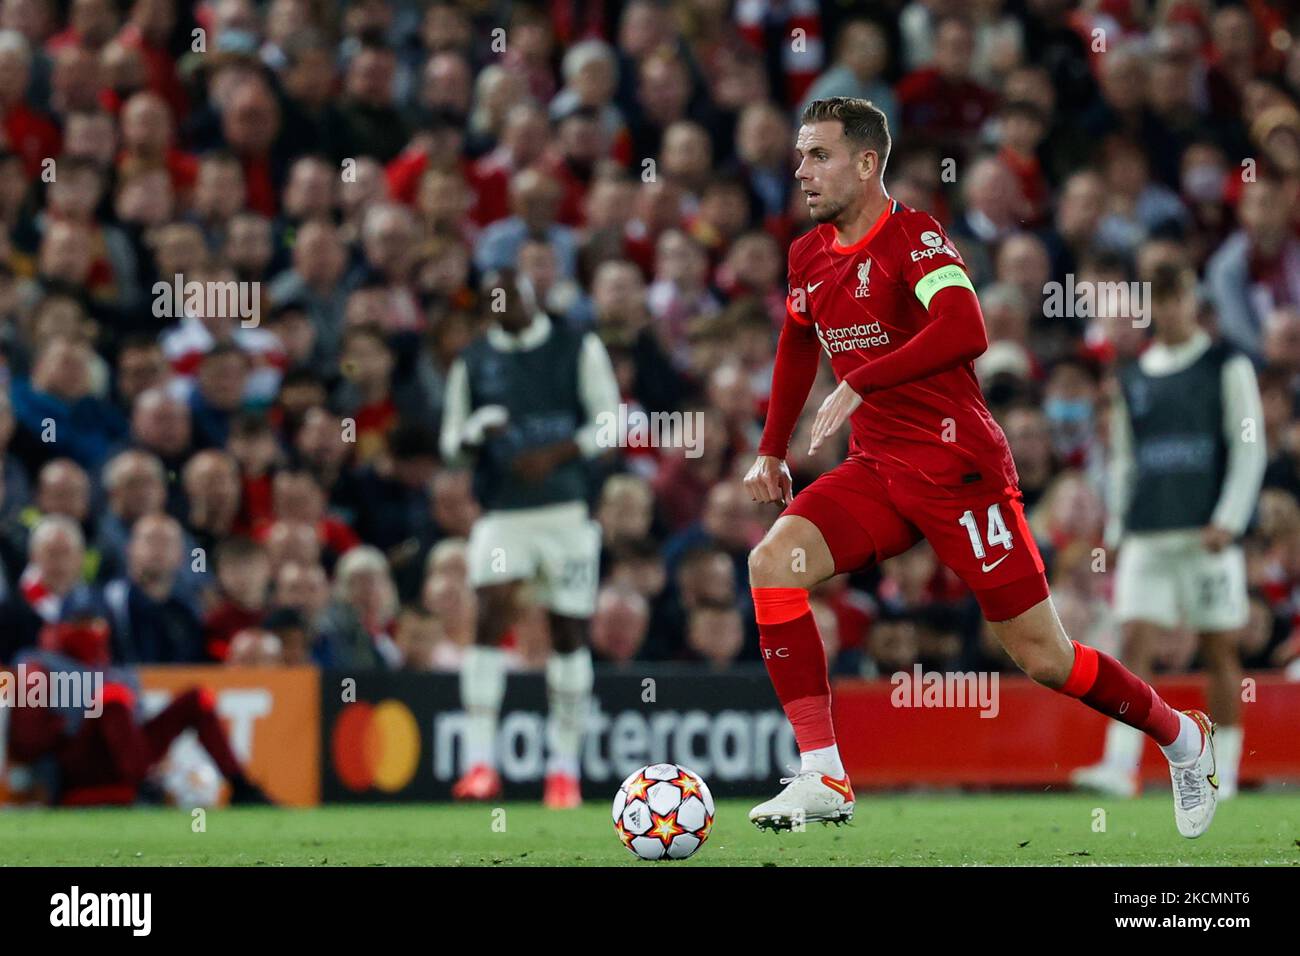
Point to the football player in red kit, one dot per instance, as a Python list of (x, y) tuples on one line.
[(106, 755), (881, 289)]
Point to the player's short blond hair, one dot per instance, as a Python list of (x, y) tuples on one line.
[(865, 126)]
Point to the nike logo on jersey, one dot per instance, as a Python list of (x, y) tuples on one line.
[(986, 568), (813, 287)]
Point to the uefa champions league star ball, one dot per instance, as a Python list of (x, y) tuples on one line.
[(663, 812)]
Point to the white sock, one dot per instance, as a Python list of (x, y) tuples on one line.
[(1187, 745), (482, 686), (1123, 746), (824, 760), (1227, 755), (568, 688)]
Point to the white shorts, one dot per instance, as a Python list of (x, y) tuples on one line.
[(1172, 580), (556, 547)]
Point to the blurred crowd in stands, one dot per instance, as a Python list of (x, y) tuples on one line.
[(271, 491)]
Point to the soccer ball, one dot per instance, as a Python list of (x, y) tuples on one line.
[(663, 812)]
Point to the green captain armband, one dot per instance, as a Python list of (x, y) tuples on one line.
[(951, 275)]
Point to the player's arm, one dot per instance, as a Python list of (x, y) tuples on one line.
[(455, 412), (797, 355), (1120, 470), (1243, 432), (463, 431), (954, 335), (598, 391)]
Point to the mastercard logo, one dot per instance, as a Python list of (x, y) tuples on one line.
[(375, 746)]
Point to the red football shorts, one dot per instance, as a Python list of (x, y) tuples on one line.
[(866, 516)]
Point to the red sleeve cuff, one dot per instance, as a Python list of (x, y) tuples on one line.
[(860, 380), (798, 317)]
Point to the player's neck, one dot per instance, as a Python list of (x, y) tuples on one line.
[(850, 231), (1174, 337)]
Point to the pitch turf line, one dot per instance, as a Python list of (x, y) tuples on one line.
[(961, 830)]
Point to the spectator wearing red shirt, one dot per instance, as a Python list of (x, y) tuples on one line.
[(440, 145), (253, 444), (74, 198), (75, 83), (581, 145), (148, 28), (147, 140), (1022, 127), (941, 104), (91, 24), (250, 126), (297, 498), (367, 365), (27, 132), (243, 586)]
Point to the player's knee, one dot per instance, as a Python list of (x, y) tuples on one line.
[(567, 633), (1047, 671), (770, 565), (1044, 662), (496, 605)]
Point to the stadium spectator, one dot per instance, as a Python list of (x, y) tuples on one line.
[(56, 407), (535, 201), (941, 104), (1258, 267), (55, 555), (360, 623), (447, 595), (210, 481), (243, 586), (160, 424), (861, 56), (151, 623), (136, 486), (619, 626)]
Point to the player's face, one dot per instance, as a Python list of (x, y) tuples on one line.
[(830, 173), (1175, 318)]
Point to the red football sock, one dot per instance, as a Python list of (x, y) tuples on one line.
[(796, 663), (196, 708), (1106, 685)]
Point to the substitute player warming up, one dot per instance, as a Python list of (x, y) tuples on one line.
[(880, 288), (523, 403), (1185, 477)]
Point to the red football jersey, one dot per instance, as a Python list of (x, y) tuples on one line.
[(867, 300)]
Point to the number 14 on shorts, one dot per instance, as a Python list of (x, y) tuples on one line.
[(995, 534)]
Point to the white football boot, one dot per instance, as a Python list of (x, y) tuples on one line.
[(809, 797), (1106, 779), (1196, 784)]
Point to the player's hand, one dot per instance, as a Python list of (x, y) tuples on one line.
[(1215, 538), (533, 466), (769, 480), (484, 423), (537, 463), (839, 405)]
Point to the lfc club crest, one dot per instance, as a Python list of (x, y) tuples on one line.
[(864, 273)]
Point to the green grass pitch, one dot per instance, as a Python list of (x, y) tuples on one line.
[(947, 830)]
